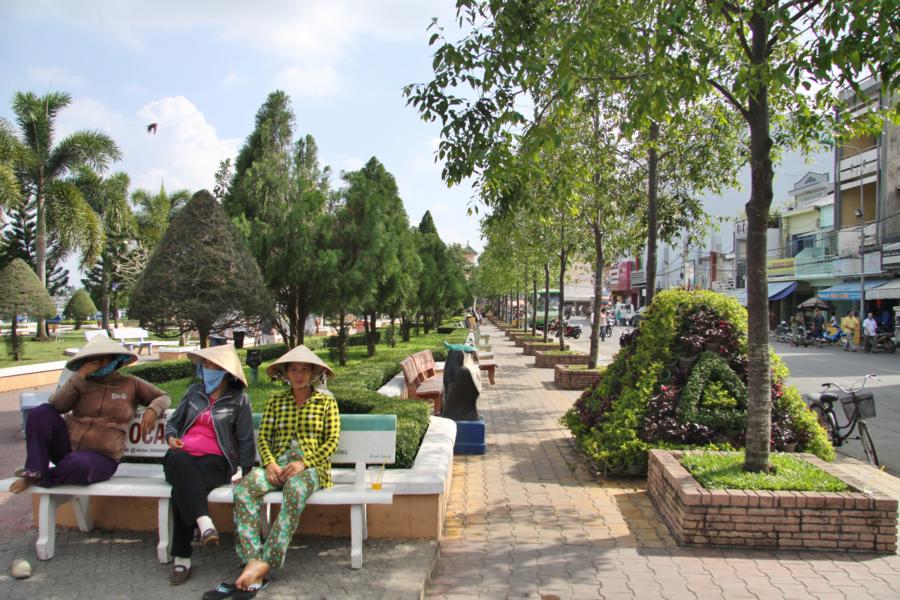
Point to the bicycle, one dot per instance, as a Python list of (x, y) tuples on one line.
[(858, 406)]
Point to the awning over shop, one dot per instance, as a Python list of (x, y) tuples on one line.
[(778, 290), (849, 290), (888, 291)]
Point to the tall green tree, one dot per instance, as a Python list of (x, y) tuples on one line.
[(201, 276), (108, 198), (784, 84), (278, 197), (18, 242), (372, 196), (22, 292), (42, 167), (10, 150)]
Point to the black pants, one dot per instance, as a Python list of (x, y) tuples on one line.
[(192, 479)]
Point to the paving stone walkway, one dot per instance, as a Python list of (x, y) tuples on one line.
[(530, 519)]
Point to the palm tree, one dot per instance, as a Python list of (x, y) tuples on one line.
[(10, 148), (156, 212), (41, 168), (108, 198)]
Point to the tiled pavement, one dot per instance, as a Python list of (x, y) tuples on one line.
[(527, 520), (530, 520)]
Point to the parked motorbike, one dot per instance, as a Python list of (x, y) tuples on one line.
[(606, 328), (783, 332), (802, 338), (572, 331), (882, 341), (831, 338)]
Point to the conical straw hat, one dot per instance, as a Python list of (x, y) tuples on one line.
[(224, 357), (101, 345), (300, 354)]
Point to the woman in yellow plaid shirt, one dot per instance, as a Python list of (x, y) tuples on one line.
[(298, 434)]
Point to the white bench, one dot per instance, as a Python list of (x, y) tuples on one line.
[(365, 439)]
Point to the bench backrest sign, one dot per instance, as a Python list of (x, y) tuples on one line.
[(371, 439)]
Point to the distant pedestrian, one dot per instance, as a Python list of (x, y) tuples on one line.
[(849, 325), (818, 324), (870, 329)]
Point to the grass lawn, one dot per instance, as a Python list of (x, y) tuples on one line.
[(725, 471), (41, 352)]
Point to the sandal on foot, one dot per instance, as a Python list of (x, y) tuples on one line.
[(179, 574), (210, 537), (21, 484), (223, 590), (251, 590)]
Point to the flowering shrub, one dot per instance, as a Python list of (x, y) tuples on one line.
[(679, 381)]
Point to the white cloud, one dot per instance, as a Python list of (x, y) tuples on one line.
[(309, 80), (317, 35), (185, 148), (184, 153)]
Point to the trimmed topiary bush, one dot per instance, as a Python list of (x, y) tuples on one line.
[(80, 308), (679, 382)]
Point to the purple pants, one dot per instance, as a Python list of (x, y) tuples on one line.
[(47, 440)]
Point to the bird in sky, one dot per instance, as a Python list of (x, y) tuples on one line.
[(151, 128)]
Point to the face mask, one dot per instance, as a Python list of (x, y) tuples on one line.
[(211, 379), (104, 371)]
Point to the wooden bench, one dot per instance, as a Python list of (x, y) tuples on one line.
[(489, 366), (365, 439), (422, 379)]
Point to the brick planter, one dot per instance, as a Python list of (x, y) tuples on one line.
[(521, 340), (574, 379), (530, 348), (543, 360), (852, 521)]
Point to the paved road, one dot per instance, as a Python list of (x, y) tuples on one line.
[(810, 367)]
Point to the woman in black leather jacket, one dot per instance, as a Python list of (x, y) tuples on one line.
[(210, 437)]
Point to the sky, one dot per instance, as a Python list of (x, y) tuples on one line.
[(201, 70)]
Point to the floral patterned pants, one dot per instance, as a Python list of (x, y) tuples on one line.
[(248, 496)]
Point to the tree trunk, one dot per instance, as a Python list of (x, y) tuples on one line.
[(342, 338), (759, 419), (525, 302), (371, 332), (652, 211), (534, 306), (561, 327), (405, 326), (40, 249), (598, 295), (203, 333), (14, 338), (546, 302), (104, 292)]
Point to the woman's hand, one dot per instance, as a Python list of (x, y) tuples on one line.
[(89, 366), (291, 469), (148, 421), (273, 473), (175, 443)]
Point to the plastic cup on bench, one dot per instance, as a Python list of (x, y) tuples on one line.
[(376, 476)]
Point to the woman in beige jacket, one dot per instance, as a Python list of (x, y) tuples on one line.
[(87, 444)]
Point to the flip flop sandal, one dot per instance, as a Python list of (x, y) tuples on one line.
[(251, 592), (179, 574), (223, 590)]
